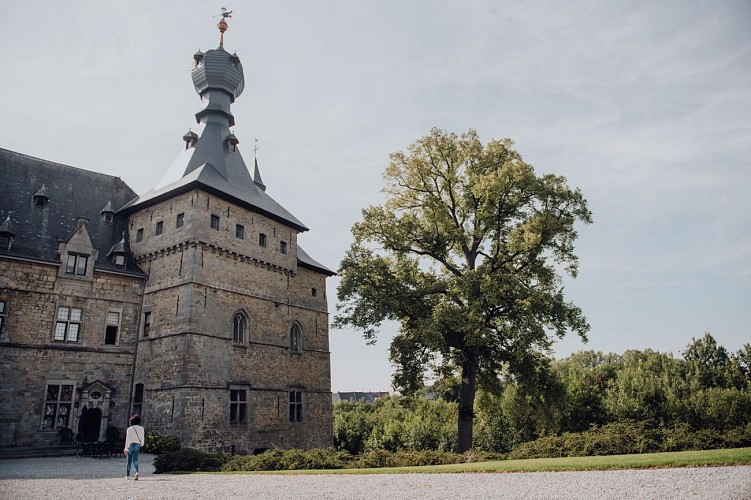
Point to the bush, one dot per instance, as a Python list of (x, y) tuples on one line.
[(189, 460), (158, 444), (314, 459), (406, 458)]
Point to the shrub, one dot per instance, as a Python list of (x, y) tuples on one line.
[(314, 459), (189, 460), (158, 444), (406, 458)]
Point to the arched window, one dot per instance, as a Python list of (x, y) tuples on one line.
[(239, 326), (295, 338)]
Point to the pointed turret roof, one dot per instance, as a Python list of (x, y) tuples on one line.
[(213, 162)]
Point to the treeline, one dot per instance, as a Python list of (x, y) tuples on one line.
[(702, 399)]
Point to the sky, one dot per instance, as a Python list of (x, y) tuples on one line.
[(644, 106)]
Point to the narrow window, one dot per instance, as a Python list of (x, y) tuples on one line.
[(180, 220), (283, 247), (112, 327), (68, 324), (159, 229), (139, 235), (238, 336), (295, 338), (215, 222), (138, 400), (58, 400), (313, 292), (76, 264), (261, 240), (146, 323), (3, 315), (237, 406), (239, 232), (295, 406)]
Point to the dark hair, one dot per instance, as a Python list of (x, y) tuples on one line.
[(135, 420)]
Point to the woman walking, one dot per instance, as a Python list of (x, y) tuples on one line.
[(134, 439)]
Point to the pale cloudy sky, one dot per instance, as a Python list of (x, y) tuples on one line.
[(646, 106)]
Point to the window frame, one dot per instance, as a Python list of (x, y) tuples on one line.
[(295, 338), (159, 228), (238, 405), (3, 316), (239, 334), (137, 403), (179, 220), (239, 231), (262, 240), (67, 321), (53, 409), (215, 222), (283, 247), (296, 406), (146, 327), (108, 325), (139, 235), (75, 263)]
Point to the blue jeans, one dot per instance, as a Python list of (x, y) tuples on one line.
[(133, 452)]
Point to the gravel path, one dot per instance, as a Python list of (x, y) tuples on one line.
[(77, 478)]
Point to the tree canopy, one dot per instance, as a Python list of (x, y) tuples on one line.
[(466, 254)]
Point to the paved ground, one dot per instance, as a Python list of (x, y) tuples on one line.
[(81, 478)]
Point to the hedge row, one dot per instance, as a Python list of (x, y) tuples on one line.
[(611, 439)]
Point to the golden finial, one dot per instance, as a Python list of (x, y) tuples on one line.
[(223, 26)]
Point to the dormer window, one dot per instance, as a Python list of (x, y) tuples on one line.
[(119, 260), (41, 198), (107, 213), (232, 142), (190, 139)]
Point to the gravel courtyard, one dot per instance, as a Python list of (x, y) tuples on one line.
[(77, 477)]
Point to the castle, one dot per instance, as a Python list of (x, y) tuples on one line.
[(192, 304)]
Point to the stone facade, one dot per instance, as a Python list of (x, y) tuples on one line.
[(192, 304)]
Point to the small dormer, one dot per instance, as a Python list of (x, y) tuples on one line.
[(232, 142), (107, 213), (118, 253), (6, 234), (190, 139), (197, 58), (41, 198)]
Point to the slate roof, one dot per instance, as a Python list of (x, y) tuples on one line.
[(72, 193), (305, 260)]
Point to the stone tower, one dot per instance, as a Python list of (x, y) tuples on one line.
[(233, 347)]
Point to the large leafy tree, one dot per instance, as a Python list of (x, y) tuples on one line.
[(466, 254)]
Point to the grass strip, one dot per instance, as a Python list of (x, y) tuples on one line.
[(704, 458)]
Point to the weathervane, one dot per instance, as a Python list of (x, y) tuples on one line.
[(223, 26), (255, 148)]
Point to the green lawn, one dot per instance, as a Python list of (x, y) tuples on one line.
[(735, 456)]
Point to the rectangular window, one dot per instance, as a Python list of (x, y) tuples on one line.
[(68, 324), (57, 405), (137, 400), (295, 406), (283, 247), (159, 229), (139, 235), (3, 315), (238, 406), (313, 292), (261, 240), (112, 327), (180, 220), (120, 260), (76, 264), (215, 222), (239, 232), (146, 323)]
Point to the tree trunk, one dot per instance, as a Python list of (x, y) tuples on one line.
[(467, 400)]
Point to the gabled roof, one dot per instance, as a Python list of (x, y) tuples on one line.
[(72, 193)]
